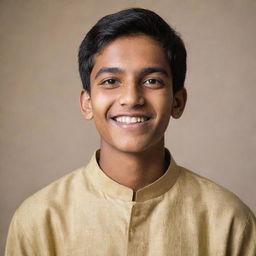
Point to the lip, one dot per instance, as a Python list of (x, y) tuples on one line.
[(131, 126), (132, 115)]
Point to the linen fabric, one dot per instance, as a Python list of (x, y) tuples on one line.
[(86, 213)]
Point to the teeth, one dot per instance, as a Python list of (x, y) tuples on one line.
[(128, 119)]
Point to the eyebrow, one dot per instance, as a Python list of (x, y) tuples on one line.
[(150, 70), (144, 71), (109, 70)]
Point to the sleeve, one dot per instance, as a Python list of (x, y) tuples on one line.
[(246, 245), (17, 243)]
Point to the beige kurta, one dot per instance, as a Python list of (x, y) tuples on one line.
[(86, 213)]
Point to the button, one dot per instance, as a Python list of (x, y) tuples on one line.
[(136, 212), (132, 230)]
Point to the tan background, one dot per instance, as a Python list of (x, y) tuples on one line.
[(43, 135)]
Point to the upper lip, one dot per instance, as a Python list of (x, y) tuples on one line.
[(132, 115)]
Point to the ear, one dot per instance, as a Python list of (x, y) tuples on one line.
[(179, 102), (86, 105)]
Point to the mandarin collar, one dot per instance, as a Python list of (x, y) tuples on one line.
[(118, 191)]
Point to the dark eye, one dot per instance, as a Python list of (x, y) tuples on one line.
[(152, 82), (110, 81)]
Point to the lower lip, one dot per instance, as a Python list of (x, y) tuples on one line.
[(131, 126)]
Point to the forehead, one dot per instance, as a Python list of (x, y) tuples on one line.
[(132, 53)]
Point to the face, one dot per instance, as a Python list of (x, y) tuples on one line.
[(131, 99)]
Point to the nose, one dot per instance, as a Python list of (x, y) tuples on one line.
[(131, 95)]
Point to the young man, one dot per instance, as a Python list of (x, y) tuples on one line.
[(132, 198)]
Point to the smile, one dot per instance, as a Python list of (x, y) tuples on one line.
[(130, 119)]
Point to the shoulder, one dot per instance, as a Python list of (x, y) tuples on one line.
[(223, 217), (212, 198), (43, 214), (56, 195)]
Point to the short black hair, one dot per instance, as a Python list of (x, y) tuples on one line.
[(128, 22)]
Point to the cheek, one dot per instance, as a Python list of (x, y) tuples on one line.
[(164, 109), (163, 103), (101, 103)]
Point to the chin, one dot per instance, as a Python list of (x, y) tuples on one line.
[(133, 148)]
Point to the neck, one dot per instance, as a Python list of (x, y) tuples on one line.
[(134, 170)]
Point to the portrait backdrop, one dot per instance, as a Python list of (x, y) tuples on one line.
[(43, 134)]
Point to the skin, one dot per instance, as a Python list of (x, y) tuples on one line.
[(131, 77)]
